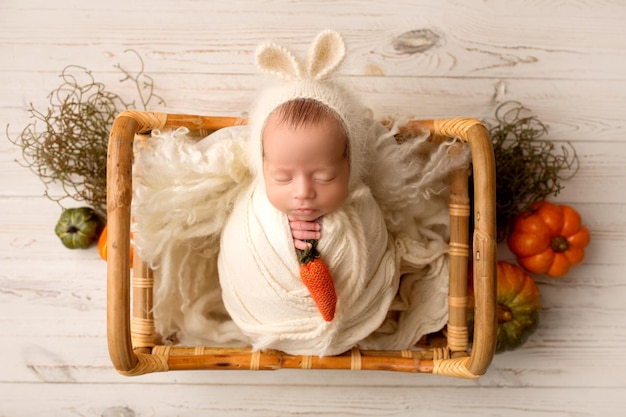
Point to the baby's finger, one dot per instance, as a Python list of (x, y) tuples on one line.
[(306, 234), (300, 244), (303, 225)]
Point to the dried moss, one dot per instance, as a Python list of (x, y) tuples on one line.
[(528, 168), (66, 143)]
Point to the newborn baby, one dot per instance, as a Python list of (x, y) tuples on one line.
[(306, 150)]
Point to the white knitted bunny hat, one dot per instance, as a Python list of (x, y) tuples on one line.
[(309, 80)]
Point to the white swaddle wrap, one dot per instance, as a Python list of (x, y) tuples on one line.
[(261, 285)]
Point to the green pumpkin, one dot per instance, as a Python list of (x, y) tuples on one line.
[(518, 306), (78, 228)]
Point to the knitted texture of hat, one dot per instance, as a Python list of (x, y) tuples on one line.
[(309, 79)]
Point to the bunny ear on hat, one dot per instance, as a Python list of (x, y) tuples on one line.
[(327, 52), (279, 61)]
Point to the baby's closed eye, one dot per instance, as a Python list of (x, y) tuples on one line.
[(282, 178), (324, 179), (325, 176)]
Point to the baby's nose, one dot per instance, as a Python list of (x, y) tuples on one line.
[(304, 188)]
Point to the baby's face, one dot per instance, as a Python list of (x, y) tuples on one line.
[(306, 169)]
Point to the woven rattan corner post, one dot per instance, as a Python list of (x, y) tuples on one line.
[(485, 251), (484, 241), (119, 196), (133, 344)]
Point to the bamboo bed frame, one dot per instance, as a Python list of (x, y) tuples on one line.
[(132, 340)]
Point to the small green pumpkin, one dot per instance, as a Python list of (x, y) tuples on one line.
[(78, 228)]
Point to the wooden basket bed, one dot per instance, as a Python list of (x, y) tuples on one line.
[(132, 340)]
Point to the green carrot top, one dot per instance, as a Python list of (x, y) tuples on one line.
[(309, 254)]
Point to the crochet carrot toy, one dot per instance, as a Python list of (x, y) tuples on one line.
[(316, 276)]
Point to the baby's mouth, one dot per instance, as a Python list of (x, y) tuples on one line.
[(304, 211)]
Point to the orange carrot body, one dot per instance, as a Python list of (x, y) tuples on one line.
[(317, 278)]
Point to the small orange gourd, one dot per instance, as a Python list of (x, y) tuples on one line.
[(102, 245), (548, 239)]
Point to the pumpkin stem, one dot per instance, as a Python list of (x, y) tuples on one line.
[(504, 314), (559, 244)]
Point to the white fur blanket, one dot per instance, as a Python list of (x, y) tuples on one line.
[(226, 271)]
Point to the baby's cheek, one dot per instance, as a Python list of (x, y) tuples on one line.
[(339, 195), (275, 196)]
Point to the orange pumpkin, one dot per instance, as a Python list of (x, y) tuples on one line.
[(548, 239), (102, 245), (518, 305)]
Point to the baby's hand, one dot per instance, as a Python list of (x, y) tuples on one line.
[(302, 231)]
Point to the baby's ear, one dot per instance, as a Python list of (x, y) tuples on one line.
[(327, 52), (278, 60)]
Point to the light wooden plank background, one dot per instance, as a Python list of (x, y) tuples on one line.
[(566, 60)]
